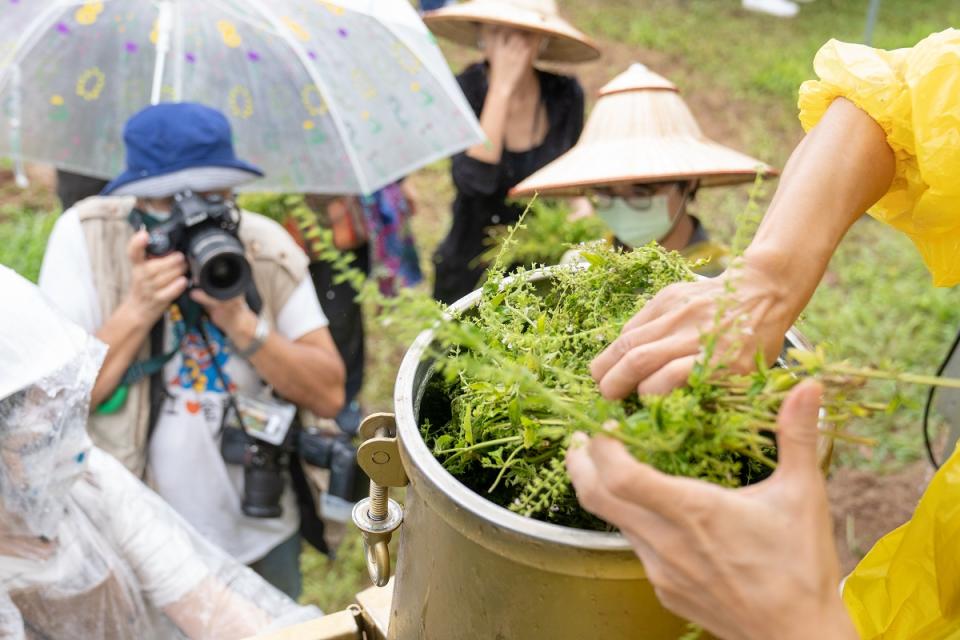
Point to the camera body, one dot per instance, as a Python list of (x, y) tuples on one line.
[(263, 479), (264, 465), (348, 482), (206, 230)]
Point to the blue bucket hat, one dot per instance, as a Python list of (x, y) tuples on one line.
[(176, 146)]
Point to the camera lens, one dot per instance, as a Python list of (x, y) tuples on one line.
[(262, 484), (223, 271), (218, 264)]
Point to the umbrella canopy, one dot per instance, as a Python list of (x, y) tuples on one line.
[(337, 96), (641, 131)]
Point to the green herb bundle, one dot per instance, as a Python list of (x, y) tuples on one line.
[(543, 236), (515, 385)]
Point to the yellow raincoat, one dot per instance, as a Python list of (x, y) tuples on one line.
[(908, 585)]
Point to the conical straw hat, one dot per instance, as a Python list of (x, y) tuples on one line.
[(461, 24), (641, 131)]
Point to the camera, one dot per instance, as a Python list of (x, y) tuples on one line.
[(263, 480), (205, 229), (263, 470), (264, 446), (348, 483)]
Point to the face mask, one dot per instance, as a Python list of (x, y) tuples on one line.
[(635, 227)]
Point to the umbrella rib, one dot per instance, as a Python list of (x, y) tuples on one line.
[(324, 90), (164, 27)]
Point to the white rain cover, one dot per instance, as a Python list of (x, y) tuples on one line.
[(123, 564), (327, 97), (48, 368), (114, 560)]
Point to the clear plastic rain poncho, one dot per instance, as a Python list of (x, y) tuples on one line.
[(86, 550)]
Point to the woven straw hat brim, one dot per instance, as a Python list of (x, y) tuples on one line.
[(461, 24), (642, 135), (640, 161)]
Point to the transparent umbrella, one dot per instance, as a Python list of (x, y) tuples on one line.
[(339, 96)]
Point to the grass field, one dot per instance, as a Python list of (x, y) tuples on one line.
[(740, 73)]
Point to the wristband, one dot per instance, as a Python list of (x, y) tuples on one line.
[(259, 337)]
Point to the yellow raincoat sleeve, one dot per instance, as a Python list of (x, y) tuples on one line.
[(908, 586), (914, 94)]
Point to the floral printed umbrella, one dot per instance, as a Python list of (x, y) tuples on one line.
[(337, 96)]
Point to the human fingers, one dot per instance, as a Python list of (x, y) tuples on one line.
[(669, 377), (675, 296), (519, 45), (639, 484), (137, 247), (592, 492), (172, 291), (501, 40), (797, 430), (202, 297), (627, 341), (528, 44), (166, 268), (639, 363)]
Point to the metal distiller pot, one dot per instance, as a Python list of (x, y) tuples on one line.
[(468, 569)]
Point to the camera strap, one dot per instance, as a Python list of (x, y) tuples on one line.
[(154, 364)]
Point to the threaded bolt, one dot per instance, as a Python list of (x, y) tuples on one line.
[(379, 508)]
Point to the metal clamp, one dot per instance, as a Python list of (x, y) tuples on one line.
[(378, 516)]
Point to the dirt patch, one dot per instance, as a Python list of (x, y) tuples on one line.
[(39, 195), (866, 505)]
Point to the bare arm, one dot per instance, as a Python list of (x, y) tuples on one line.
[(155, 284), (493, 121), (838, 171), (833, 176), (307, 372), (213, 611), (511, 55)]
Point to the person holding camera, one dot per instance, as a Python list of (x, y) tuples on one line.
[(214, 332)]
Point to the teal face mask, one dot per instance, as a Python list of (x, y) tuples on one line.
[(635, 227)]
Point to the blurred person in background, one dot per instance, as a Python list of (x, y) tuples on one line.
[(641, 159), (530, 117), (179, 356), (375, 230), (73, 187), (86, 549), (760, 562)]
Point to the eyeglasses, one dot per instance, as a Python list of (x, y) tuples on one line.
[(640, 197), (641, 201)]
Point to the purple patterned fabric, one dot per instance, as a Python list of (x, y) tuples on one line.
[(394, 258)]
